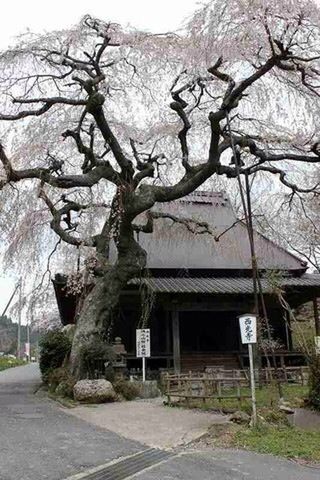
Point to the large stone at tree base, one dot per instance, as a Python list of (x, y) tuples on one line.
[(148, 389), (94, 391)]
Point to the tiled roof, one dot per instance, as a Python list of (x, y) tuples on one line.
[(225, 284), (173, 246)]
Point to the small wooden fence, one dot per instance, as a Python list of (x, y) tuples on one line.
[(286, 375), (221, 384)]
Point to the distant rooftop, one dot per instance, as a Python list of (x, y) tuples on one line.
[(173, 246)]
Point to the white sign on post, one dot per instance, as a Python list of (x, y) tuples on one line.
[(27, 349), (317, 345), (248, 329), (143, 347), (143, 342)]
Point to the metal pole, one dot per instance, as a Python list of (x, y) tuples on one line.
[(143, 369), (28, 342), (10, 300), (252, 247), (252, 384), (19, 320)]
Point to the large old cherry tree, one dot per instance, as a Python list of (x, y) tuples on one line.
[(100, 124)]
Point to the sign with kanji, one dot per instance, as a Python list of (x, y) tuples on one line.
[(27, 349), (143, 342), (248, 328), (317, 345)]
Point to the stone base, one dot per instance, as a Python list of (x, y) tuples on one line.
[(148, 389), (94, 391)]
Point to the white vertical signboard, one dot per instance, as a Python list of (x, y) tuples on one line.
[(143, 347), (248, 329), (27, 350)]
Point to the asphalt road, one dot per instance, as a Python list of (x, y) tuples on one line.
[(38, 441), (228, 465)]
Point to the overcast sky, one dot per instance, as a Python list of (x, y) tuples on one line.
[(18, 16)]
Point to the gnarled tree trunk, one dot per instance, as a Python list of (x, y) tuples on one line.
[(96, 314)]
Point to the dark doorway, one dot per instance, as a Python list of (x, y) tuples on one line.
[(209, 332)]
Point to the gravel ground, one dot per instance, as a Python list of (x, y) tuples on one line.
[(150, 422)]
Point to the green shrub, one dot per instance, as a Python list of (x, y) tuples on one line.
[(314, 382), (96, 359), (61, 382), (65, 388), (128, 390), (6, 362), (55, 346), (54, 377)]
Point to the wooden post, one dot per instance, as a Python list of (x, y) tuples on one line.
[(219, 390), (168, 342), (176, 341), (238, 383), (143, 369), (289, 329), (19, 320), (283, 367), (302, 376), (168, 389), (253, 390), (286, 325), (316, 316)]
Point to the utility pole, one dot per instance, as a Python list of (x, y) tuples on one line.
[(28, 342), (19, 319), (10, 300)]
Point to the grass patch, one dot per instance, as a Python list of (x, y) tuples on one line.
[(6, 363), (267, 397), (285, 441), (273, 435), (280, 440)]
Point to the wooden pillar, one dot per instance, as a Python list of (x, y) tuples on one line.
[(316, 316), (168, 336), (176, 341), (288, 332)]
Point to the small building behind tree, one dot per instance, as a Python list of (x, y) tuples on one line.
[(197, 284)]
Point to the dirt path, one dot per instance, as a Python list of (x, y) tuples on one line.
[(150, 422)]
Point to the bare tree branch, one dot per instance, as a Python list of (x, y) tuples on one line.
[(64, 214), (192, 225)]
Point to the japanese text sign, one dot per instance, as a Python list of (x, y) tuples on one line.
[(143, 342), (248, 328), (27, 349)]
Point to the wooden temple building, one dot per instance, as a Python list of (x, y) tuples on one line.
[(196, 286)]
